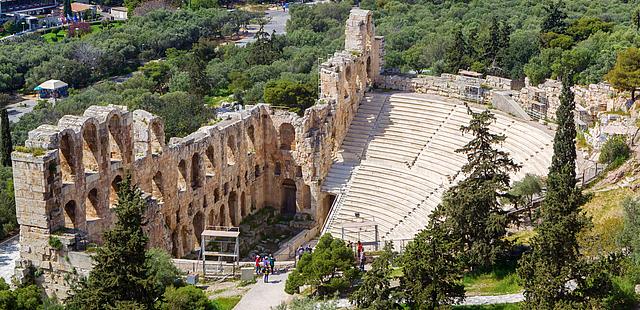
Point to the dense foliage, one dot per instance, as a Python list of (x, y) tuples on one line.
[(505, 37), (375, 292), (330, 268), (198, 70), (614, 151)]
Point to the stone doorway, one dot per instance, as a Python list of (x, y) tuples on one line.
[(288, 197)]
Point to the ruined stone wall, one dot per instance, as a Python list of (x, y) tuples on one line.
[(67, 178)]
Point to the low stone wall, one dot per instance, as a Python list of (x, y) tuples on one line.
[(288, 250)]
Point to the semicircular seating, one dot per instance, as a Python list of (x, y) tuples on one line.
[(407, 159)]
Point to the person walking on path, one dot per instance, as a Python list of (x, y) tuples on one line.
[(265, 270), (363, 260), (272, 262), (257, 264), (300, 252)]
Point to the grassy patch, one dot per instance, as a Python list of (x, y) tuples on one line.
[(217, 101), (397, 272), (51, 37), (226, 303), (607, 217), (522, 237), (501, 280), (490, 307)]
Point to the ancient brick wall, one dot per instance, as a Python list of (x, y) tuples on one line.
[(67, 178)]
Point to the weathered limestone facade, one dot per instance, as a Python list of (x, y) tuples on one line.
[(215, 176)]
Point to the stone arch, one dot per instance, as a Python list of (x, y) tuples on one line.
[(67, 159), (156, 138), (230, 150), (115, 138), (157, 187), (298, 171), (243, 205), (216, 195), (251, 139), (90, 148), (222, 216), (211, 218), (175, 243), (198, 226), (195, 171), (91, 205), (233, 208), (288, 197), (182, 176), (185, 240), (287, 137), (209, 162), (256, 170), (277, 170), (70, 213), (113, 190), (306, 197)]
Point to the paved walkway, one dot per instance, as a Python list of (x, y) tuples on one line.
[(9, 253), (265, 295), (498, 299)]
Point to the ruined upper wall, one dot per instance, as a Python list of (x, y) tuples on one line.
[(215, 176)]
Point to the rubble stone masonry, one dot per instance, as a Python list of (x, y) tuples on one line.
[(67, 177)]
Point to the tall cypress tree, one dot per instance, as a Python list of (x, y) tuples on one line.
[(6, 145), (471, 209), (554, 260), (120, 275)]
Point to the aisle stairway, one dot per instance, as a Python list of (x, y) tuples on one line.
[(398, 158)]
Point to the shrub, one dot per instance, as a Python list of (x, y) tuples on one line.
[(615, 150), (55, 243), (186, 298)]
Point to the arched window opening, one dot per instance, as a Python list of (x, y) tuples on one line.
[(198, 227), (182, 176), (70, 215), (230, 151), (216, 195), (175, 244), (257, 171), (157, 187), (113, 191), (156, 139), (91, 205), (209, 162), (67, 159), (115, 139), (186, 241), (298, 171), (233, 208), (243, 206), (222, 216), (90, 149), (195, 171), (278, 169), (211, 218), (288, 197), (250, 140), (306, 193), (287, 137)]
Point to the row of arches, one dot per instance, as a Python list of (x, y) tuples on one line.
[(91, 157)]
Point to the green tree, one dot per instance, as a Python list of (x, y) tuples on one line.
[(614, 151), (630, 236), (296, 96), (186, 298), (635, 18), (375, 290), (6, 146), (457, 54), (330, 268), (524, 191), (120, 273), (161, 270), (471, 209), (625, 74), (554, 18), (555, 251), (432, 267)]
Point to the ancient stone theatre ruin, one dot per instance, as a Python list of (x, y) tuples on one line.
[(358, 154)]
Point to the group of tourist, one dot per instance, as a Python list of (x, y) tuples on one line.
[(265, 266), (361, 258), (302, 250)]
